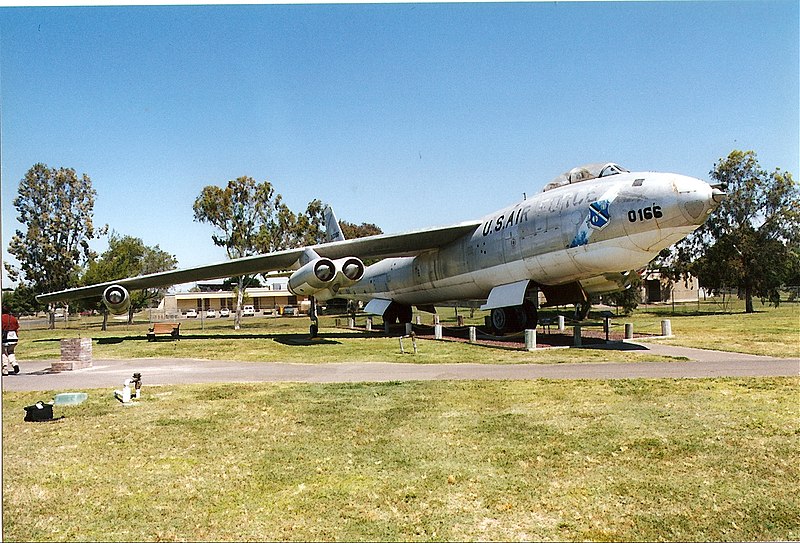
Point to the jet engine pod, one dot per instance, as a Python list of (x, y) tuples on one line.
[(313, 277), (116, 299), (349, 271)]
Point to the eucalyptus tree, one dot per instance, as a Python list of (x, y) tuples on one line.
[(751, 243), (55, 207)]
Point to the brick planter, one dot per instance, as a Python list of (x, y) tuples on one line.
[(76, 353)]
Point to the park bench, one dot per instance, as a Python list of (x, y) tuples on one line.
[(171, 328)]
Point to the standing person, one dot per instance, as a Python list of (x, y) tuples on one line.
[(10, 326)]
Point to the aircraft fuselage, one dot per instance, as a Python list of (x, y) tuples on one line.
[(593, 233)]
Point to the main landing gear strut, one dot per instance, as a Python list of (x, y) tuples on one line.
[(312, 313)]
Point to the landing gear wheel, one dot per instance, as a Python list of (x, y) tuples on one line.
[(390, 315), (404, 313), (501, 319), (313, 330), (527, 316)]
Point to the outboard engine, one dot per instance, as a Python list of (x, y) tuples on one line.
[(117, 299)]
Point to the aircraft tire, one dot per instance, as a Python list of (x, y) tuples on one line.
[(527, 316), (313, 330), (390, 315), (404, 313), (502, 319)]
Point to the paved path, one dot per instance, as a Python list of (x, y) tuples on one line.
[(35, 375)]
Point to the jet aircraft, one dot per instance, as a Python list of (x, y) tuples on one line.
[(583, 235)]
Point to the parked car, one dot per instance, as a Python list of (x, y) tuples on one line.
[(248, 311), (211, 313), (224, 313), (289, 310), (191, 314)]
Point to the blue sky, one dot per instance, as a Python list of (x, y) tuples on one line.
[(404, 115)]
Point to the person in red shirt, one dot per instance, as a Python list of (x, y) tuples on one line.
[(10, 339)]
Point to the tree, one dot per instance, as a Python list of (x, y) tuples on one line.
[(56, 207), (128, 256), (629, 299), (750, 243), (20, 301), (353, 231), (244, 213)]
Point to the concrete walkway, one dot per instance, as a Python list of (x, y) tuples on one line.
[(35, 375)]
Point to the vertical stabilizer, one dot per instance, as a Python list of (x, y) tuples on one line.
[(333, 232)]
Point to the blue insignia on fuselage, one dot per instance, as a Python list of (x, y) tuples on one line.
[(598, 214)]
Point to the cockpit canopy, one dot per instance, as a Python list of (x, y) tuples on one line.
[(585, 173)]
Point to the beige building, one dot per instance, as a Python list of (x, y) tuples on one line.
[(656, 288), (270, 299)]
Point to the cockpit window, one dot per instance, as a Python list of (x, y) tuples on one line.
[(611, 169), (585, 173)]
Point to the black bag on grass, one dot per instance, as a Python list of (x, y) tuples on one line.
[(38, 412)]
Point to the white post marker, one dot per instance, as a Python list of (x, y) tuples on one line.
[(628, 330), (530, 340)]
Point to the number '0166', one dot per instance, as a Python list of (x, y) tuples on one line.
[(645, 214)]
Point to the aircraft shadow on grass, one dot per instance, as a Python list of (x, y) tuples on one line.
[(303, 340)]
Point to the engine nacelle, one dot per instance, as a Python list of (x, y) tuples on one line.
[(323, 277), (117, 299), (349, 271), (312, 277)]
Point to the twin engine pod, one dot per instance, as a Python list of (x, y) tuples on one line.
[(323, 277), (117, 299)]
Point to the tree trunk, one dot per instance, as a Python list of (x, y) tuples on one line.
[(51, 317), (748, 300), (237, 321)]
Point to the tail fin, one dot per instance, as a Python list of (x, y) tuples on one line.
[(333, 232)]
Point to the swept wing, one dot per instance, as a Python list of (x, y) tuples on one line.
[(381, 246)]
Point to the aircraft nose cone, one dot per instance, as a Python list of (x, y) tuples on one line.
[(697, 198)]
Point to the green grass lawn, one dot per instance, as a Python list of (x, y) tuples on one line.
[(770, 331), (697, 459), (286, 340)]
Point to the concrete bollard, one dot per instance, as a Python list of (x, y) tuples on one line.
[(530, 339), (437, 331), (666, 328), (628, 330), (369, 324), (576, 335), (351, 323), (561, 325), (473, 334)]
